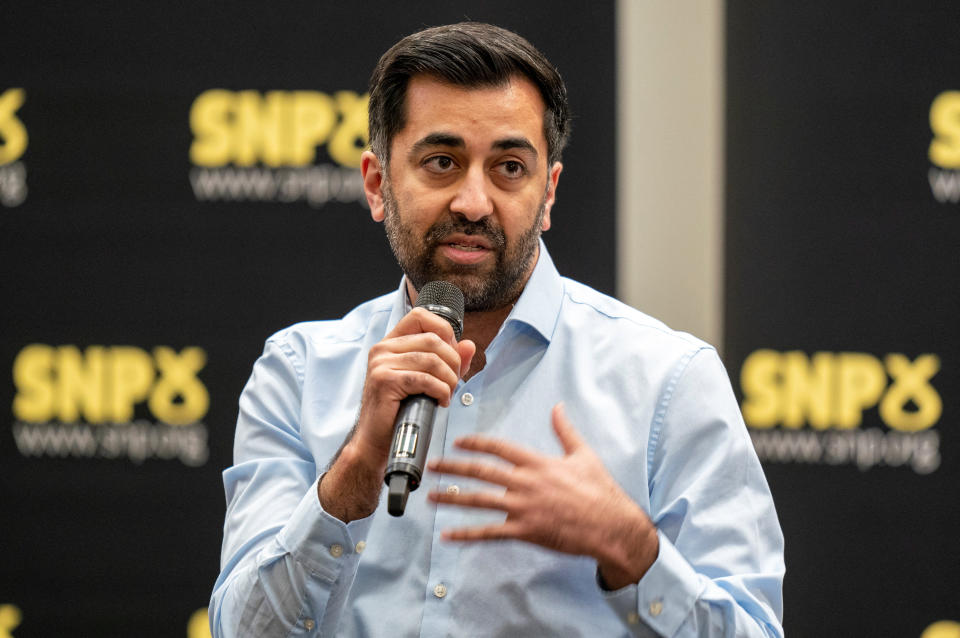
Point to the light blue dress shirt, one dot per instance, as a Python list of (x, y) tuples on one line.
[(654, 404)]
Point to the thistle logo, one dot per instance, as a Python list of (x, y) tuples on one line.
[(819, 403), (249, 146), (13, 143), (944, 153), (85, 404)]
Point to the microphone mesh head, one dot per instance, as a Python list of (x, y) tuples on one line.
[(445, 294)]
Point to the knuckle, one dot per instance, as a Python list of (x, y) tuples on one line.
[(377, 375), (434, 341), (426, 360), (410, 381), (485, 472)]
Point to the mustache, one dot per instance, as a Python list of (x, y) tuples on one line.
[(483, 227)]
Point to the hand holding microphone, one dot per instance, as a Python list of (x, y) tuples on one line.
[(414, 424), (419, 356)]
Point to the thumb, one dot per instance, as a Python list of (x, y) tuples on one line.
[(570, 439), (466, 349)]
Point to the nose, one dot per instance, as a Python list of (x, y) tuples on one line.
[(472, 199)]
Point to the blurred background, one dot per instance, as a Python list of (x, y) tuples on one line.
[(178, 182)]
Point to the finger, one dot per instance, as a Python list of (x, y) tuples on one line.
[(483, 500), (422, 320), (420, 352), (570, 439), (473, 469), (423, 342), (508, 530), (498, 447), (397, 384), (427, 363)]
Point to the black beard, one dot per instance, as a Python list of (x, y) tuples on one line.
[(490, 291)]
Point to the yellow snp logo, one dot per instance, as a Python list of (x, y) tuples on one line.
[(277, 128), (13, 134), (199, 624), (942, 629), (104, 384), (833, 389), (945, 124), (10, 618)]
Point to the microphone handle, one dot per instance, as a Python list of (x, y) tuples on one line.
[(411, 440)]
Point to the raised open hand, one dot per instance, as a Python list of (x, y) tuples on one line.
[(569, 503)]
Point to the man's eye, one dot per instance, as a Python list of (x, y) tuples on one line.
[(440, 163), (512, 168)]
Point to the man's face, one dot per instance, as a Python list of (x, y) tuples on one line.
[(468, 190)]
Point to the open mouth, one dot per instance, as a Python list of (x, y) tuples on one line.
[(465, 248), (468, 242)]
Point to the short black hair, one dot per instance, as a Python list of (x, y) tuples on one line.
[(467, 54)]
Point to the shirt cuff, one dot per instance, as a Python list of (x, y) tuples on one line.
[(665, 595), (321, 542)]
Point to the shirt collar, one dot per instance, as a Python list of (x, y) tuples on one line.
[(537, 307), (539, 304)]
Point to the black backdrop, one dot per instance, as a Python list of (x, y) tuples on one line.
[(176, 183), (139, 280), (841, 301)]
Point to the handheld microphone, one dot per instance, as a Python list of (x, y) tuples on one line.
[(414, 424)]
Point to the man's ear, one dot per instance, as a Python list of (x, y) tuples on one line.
[(552, 179), (373, 173)]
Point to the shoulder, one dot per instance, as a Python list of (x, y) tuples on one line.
[(351, 331), (626, 348), (598, 314)]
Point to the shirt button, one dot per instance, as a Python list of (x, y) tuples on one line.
[(308, 624), (633, 618), (655, 608), (453, 489), (360, 547), (440, 590), (466, 398), (336, 550)]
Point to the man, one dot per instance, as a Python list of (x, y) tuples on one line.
[(650, 516)]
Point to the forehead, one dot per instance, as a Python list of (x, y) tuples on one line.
[(477, 114)]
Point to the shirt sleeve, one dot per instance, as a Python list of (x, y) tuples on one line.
[(720, 568), (286, 565)]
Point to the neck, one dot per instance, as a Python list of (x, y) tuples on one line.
[(481, 328)]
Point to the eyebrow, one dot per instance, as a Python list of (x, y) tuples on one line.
[(516, 142), (455, 141), (437, 139)]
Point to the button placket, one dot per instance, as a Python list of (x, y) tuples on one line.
[(459, 420)]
